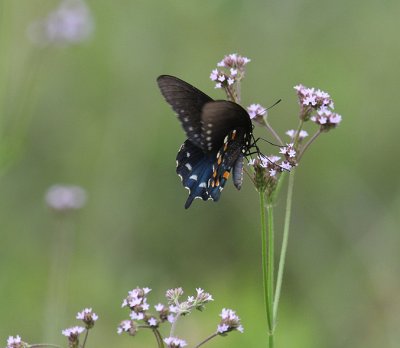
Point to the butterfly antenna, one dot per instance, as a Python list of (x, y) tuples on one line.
[(276, 103)]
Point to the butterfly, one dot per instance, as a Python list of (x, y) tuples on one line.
[(219, 136)]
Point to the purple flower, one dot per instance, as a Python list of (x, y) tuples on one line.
[(255, 110), (16, 342), (88, 317), (64, 198), (229, 322), (174, 342), (71, 22)]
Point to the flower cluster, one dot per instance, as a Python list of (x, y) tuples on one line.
[(268, 168), (193, 302), (317, 106), (137, 302), (177, 307), (174, 342), (257, 113), (290, 156), (229, 322), (71, 22), (231, 70), (73, 335), (16, 342), (64, 198), (88, 317)]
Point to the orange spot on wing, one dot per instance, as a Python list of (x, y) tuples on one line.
[(226, 175)]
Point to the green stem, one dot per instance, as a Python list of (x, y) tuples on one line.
[(285, 239), (270, 269), (272, 131), (157, 334), (267, 264), (206, 340), (264, 255), (85, 339), (315, 136), (173, 326)]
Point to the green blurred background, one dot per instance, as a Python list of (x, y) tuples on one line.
[(90, 114)]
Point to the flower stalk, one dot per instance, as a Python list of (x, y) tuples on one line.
[(269, 171)]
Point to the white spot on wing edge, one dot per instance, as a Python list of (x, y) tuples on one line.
[(203, 184), (193, 177), (188, 166)]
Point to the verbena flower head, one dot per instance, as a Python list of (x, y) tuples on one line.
[(267, 170), (64, 198), (326, 119), (173, 295), (16, 342), (310, 98), (257, 113), (88, 317), (163, 312), (229, 322), (174, 342), (71, 22), (128, 326), (185, 307), (73, 335), (136, 300), (229, 73)]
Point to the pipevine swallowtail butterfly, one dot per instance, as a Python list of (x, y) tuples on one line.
[(219, 135)]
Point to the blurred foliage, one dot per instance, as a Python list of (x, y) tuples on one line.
[(90, 114)]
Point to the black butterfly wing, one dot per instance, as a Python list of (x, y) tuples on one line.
[(218, 118), (194, 167), (187, 101)]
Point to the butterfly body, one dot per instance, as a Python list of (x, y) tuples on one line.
[(219, 136)]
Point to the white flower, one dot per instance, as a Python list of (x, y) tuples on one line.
[(222, 328), (73, 331), (124, 326), (174, 342), (70, 22), (64, 198), (159, 307), (230, 321), (214, 75), (286, 165), (14, 342), (335, 118), (272, 172), (152, 321), (221, 78), (136, 316), (255, 110), (171, 318), (86, 314)]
